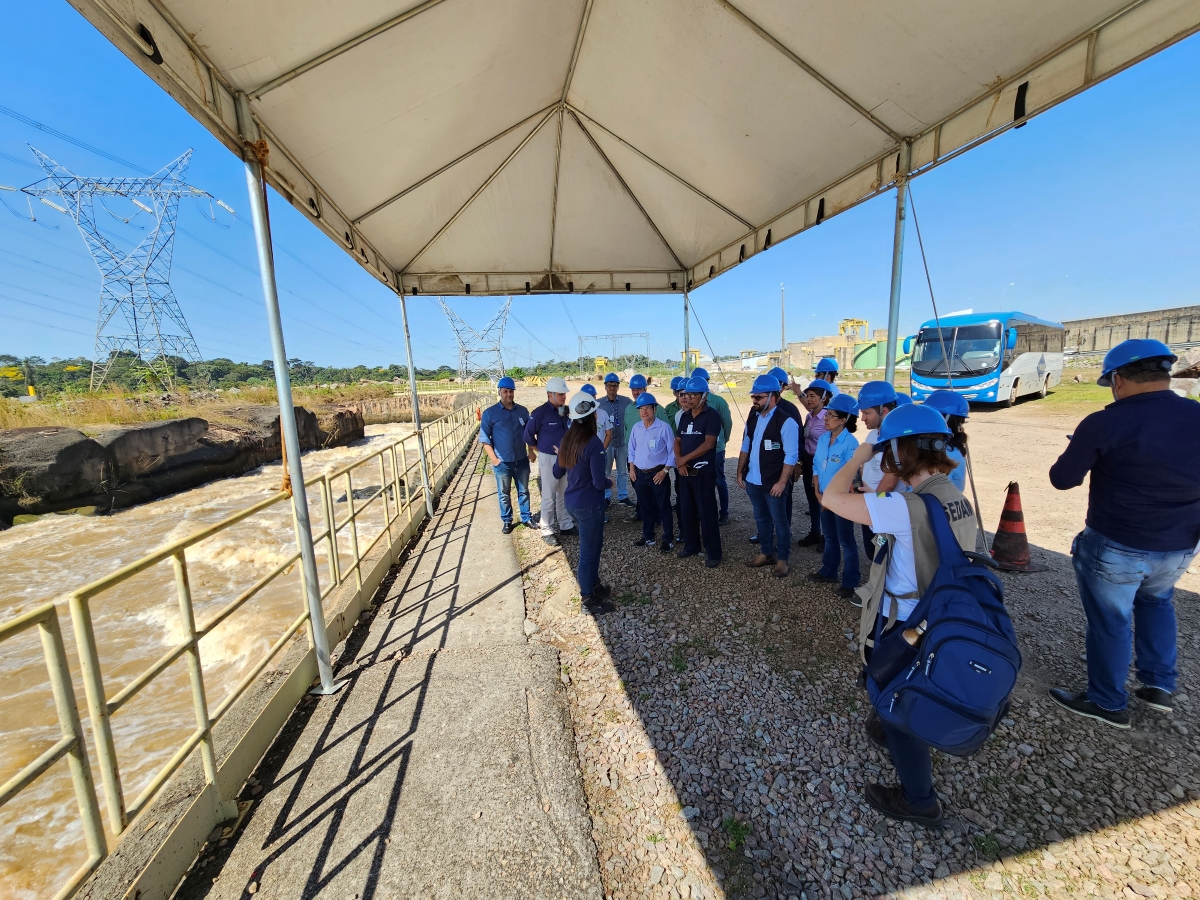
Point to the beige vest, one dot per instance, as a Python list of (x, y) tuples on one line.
[(962, 523)]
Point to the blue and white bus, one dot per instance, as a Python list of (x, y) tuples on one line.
[(994, 357)]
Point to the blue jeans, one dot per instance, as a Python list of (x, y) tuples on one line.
[(839, 535), (1128, 598), (506, 473), (914, 767), (590, 522), (617, 452), (771, 518), (722, 486)]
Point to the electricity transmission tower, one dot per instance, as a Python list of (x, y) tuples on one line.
[(139, 317), (584, 338), (478, 351)]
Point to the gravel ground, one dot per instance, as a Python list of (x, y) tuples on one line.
[(720, 732)]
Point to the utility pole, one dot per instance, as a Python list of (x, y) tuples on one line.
[(782, 329)]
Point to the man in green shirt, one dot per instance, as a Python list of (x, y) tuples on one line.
[(673, 408), (720, 406)]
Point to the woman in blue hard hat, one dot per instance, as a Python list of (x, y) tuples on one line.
[(651, 458), (826, 369), (955, 408), (875, 400), (912, 441), (814, 398), (834, 450), (581, 460), (770, 450)]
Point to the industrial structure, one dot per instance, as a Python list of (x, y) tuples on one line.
[(1179, 328), (139, 316), (478, 351), (602, 362)]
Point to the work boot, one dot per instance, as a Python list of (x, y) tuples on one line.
[(846, 594), (710, 563), (781, 569), (1155, 698), (666, 547), (1079, 704), (889, 799), (821, 579), (685, 553), (809, 540), (508, 528), (601, 592), (760, 561), (596, 607), (723, 519)]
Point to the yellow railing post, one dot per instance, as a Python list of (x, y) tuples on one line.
[(353, 522), (335, 573), (187, 618)]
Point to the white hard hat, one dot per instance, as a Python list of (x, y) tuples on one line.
[(581, 405), (556, 385)]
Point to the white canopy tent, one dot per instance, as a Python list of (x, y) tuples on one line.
[(512, 146)]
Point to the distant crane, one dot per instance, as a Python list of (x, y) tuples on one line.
[(139, 316), (478, 351)]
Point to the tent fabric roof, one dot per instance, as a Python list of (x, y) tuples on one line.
[(504, 146)]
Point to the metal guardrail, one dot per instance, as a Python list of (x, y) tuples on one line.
[(403, 500), (451, 387)]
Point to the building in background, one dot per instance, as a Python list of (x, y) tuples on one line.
[(1178, 328), (851, 347)]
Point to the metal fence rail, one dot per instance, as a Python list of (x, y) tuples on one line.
[(403, 501), (453, 387)]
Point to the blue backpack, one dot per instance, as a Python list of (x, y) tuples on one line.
[(956, 689)]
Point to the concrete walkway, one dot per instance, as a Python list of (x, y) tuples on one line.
[(446, 767)]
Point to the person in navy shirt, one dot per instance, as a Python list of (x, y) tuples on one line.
[(501, 431), (770, 450), (1142, 532), (544, 433), (696, 466)]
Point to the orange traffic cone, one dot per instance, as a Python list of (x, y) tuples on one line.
[(1010, 547)]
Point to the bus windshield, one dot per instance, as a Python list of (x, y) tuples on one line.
[(972, 349)]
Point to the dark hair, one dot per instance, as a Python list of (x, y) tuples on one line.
[(1141, 371), (958, 439), (851, 420), (914, 459), (580, 432)]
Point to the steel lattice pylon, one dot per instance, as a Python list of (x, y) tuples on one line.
[(139, 314), (479, 351)]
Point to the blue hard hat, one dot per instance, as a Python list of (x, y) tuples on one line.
[(696, 385), (902, 399), (646, 399), (818, 384), (765, 384), (589, 389), (911, 421), (948, 403), (825, 364), (843, 403), (611, 378), (876, 393), (700, 373), (678, 382), (638, 381), (1131, 351), (506, 382), (781, 374)]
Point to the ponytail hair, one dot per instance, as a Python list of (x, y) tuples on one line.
[(852, 424), (958, 438)]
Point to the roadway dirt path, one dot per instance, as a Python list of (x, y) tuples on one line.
[(720, 730)]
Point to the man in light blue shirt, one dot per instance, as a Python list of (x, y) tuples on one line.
[(651, 452), (501, 432), (770, 450)]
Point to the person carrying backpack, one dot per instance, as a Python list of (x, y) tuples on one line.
[(940, 649)]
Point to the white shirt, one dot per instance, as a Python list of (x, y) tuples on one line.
[(603, 423), (889, 515), (872, 471)]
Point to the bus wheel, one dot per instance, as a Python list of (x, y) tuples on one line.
[(1045, 388), (1012, 396)]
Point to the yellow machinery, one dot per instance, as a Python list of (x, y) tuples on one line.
[(692, 360), (601, 364), (855, 329)]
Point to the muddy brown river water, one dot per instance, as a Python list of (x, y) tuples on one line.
[(41, 841)]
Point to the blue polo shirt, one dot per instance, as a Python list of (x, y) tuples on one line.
[(546, 428), (957, 475), (832, 455), (789, 436), (504, 430), (1144, 456)]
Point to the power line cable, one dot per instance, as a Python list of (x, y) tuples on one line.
[(62, 136), (513, 316), (713, 354)]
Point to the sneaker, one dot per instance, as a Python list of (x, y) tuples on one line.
[(1079, 704), (754, 538), (723, 520), (644, 542), (685, 553), (809, 540), (710, 563), (845, 593), (529, 523), (821, 579), (550, 539), (596, 607), (628, 501), (781, 569), (760, 561), (1155, 698), (875, 730), (508, 528), (666, 547), (889, 799)]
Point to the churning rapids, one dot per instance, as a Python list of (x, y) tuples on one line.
[(41, 841)]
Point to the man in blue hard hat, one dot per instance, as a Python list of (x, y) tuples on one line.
[(770, 450), (717, 403), (544, 433), (674, 410), (615, 406), (695, 465), (1142, 532), (788, 408), (827, 370), (501, 431), (651, 457), (637, 387)]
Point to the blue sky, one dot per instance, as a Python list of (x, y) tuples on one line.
[(1090, 209)]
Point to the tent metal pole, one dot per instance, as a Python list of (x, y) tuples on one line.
[(412, 387), (287, 422), (889, 374), (687, 340)]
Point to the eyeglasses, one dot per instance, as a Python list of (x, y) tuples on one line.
[(758, 397)]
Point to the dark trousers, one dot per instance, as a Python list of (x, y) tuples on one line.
[(839, 533), (698, 511), (654, 501), (814, 508), (914, 768), (590, 522), (722, 486)]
